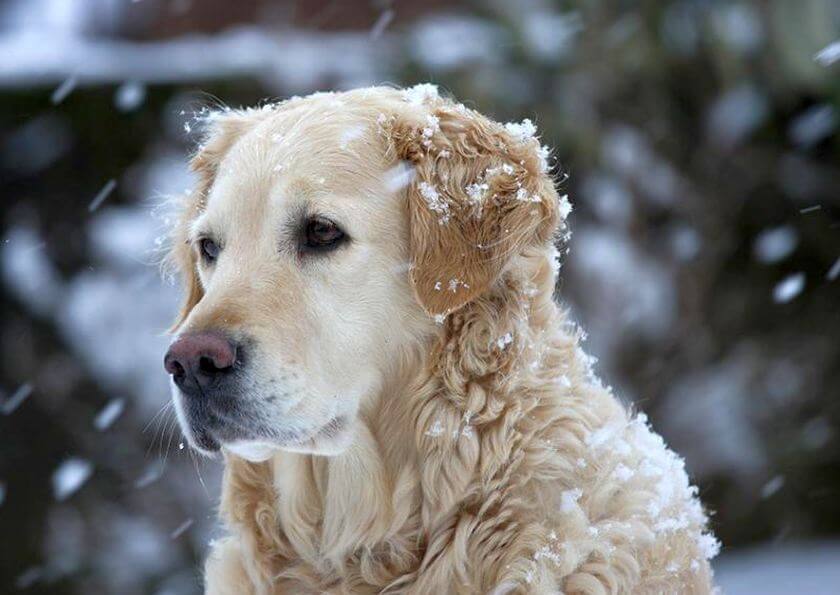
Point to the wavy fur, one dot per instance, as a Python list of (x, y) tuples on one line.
[(492, 460)]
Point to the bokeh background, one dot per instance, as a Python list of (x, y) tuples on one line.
[(701, 143)]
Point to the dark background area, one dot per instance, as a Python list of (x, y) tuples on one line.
[(700, 139)]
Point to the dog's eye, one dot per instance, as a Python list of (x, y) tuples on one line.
[(322, 234), (209, 250)]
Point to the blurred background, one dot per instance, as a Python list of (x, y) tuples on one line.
[(701, 141)]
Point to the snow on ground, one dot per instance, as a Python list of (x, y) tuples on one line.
[(812, 568)]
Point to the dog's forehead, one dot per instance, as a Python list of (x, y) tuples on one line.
[(316, 152)]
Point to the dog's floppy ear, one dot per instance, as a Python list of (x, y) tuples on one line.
[(481, 193), (222, 131)]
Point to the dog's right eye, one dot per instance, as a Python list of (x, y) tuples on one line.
[(209, 250), (321, 235)]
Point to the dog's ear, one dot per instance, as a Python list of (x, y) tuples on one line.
[(222, 130), (481, 193)]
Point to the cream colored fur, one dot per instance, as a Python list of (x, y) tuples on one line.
[(485, 457)]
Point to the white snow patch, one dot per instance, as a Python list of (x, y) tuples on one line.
[(780, 569), (434, 201), (569, 499), (622, 472), (432, 126), (709, 545), (453, 285), (435, 430), (564, 207), (504, 341), (421, 94), (477, 192), (521, 131), (522, 195)]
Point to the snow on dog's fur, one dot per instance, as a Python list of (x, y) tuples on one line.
[(477, 452)]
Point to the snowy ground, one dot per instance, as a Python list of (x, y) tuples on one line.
[(809, 567)]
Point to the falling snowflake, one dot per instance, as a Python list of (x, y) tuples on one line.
[(829, 54), (109, 414), (788, 288), (63, 90), (834, 271), (181, 529), (70, 476), (102, 195), (16, 399)]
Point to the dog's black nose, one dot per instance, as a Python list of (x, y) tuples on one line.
[(198, 360)]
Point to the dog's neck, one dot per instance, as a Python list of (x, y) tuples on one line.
[(415, 456)]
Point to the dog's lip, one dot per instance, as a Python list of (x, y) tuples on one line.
[(258, 447)]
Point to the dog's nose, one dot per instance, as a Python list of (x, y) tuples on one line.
[(197, 360)]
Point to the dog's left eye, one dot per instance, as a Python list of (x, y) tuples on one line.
[(322, 234), (209, 250)]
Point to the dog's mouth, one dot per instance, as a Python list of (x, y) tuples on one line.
[(209, 431)]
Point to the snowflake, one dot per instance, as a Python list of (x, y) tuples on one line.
[(476, 192), (522, 131), (420, 94), (429, 131), (523, 196), (434, 201), (504, 341), (569, 499), (564, 206), (436, 429)]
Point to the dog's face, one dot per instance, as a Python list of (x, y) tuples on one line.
[(296, 250)]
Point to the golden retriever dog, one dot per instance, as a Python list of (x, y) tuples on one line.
[(370, 339)]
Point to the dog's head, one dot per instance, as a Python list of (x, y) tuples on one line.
[(327, 238)]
